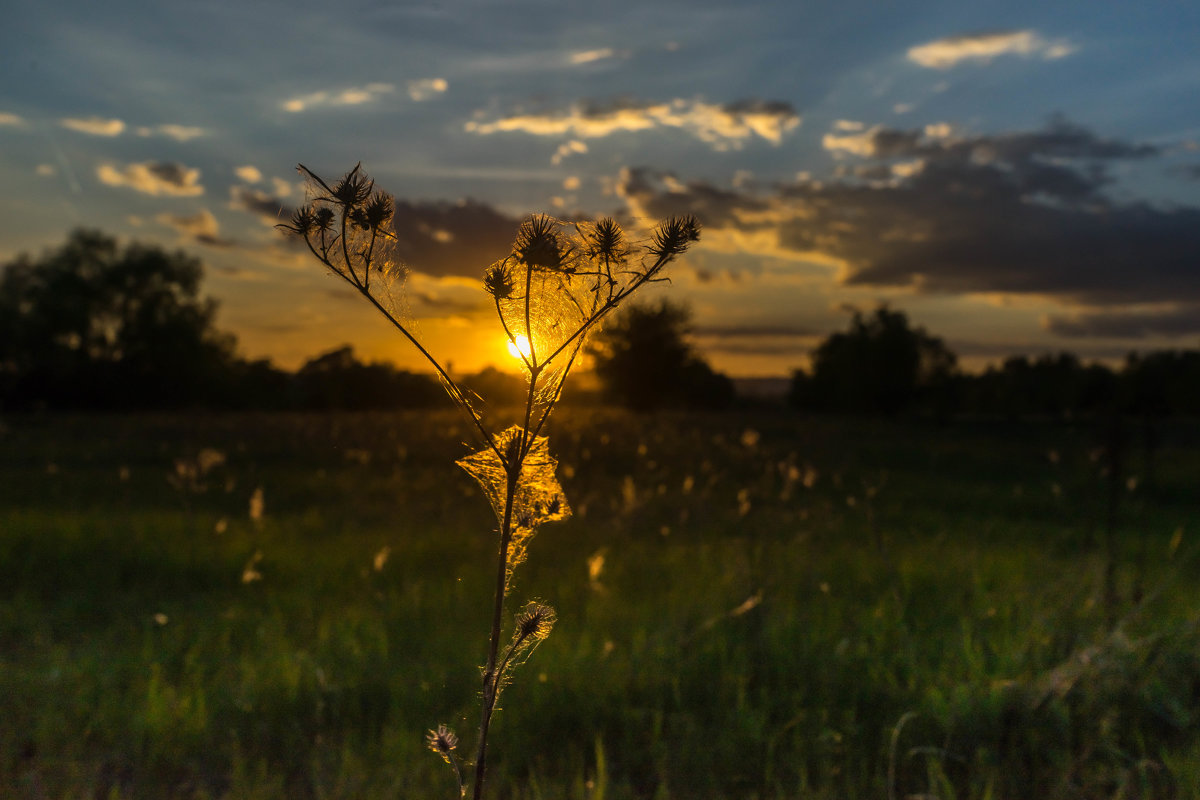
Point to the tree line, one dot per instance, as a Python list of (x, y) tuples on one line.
[(884, 366), (92, 325)]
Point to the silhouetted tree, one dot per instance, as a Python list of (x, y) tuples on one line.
[(91, 324), (879, 366), (338, 380), (500, 388), (1161, 383), (644, 362)]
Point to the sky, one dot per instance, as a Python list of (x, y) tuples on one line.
[(1018, 177)]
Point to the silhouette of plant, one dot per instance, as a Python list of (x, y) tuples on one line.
[(550, 293)]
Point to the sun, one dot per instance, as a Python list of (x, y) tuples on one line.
[(518, 347)]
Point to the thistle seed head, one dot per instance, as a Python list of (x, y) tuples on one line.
[(534, 623), (353, 189), (379, 210), (606, 240), (498, 281), (303, 222), (442, 741), (674, 236), (540, 244), (323, 218)]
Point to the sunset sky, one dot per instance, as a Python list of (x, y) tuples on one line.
[(1019, 177)]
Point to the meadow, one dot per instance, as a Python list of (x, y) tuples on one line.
[(750, 605)]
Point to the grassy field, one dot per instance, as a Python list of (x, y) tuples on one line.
[(749, 606)]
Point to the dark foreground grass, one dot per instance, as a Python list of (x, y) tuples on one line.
[(749, 607)]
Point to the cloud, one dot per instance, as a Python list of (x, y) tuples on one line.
[(94, 126), (201, 226), (981, 48), (10, 120), (269, 210), (1060, 139), (461, 238), (154, 178), (1019, 213), (589, 56), (248, 173), (753, 331), (353, 96), (1172, 320), (180, 133), (723, 126), (426, 88), (566, 149)]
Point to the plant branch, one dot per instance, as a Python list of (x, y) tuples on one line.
[(491, 678)]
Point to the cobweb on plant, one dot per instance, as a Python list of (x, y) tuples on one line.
[(538, 498)]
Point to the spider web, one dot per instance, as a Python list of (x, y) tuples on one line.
[(560, 302), (539, 496)]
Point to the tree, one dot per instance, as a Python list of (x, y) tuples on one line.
[(338, 380), (644, 361), (94, 325), (1056, 386), (879, 366)]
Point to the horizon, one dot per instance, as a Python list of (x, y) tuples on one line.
[(1018, 179)]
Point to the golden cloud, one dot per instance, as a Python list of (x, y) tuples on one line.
[(153, 178), (354, 96), (723, 126), (94, 126), (983, 47)]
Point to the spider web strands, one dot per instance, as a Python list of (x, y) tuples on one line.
[(361, 218), (538, 497), (570, 284)]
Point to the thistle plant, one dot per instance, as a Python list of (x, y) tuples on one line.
[(550, 293)]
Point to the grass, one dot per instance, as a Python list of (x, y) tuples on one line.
[(925, 617)]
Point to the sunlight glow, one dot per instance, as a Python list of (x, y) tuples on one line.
[(518, 347)]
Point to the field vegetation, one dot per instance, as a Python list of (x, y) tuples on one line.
[(749, 605)]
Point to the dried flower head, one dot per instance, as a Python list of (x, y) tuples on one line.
[(605, 240), (498, 281), (442, 741), (304, 221), (379, 210), (324, 218), (674, 236), (534, 623), (353, 189), (539, 243)]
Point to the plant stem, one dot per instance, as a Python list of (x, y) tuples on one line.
[(491, 678)]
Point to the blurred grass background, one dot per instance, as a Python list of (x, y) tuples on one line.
[(749, 605)]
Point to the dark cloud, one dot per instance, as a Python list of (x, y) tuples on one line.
[(202, 227), (269, 209), (665, 197), (753, 330), (1029, 154), (461, 238), (1022, 213), (759, 347), (755, 340), (447, 306), (1179, 321)]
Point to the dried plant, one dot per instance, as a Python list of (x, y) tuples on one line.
[(550, 293)]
